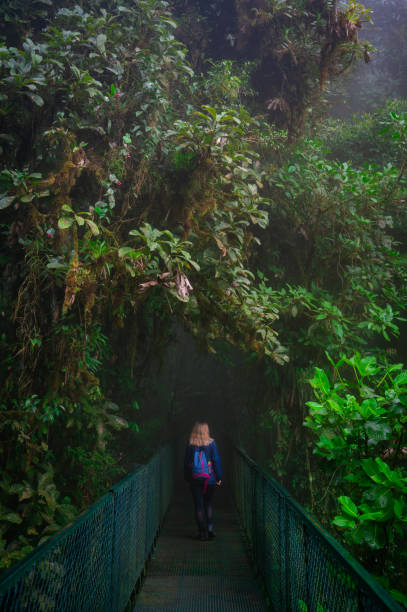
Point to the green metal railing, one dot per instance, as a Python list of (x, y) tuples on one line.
[(93, 564), (303, 567)]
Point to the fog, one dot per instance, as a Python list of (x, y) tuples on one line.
[(368, 85)]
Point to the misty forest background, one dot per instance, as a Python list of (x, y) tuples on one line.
[(203, 214)]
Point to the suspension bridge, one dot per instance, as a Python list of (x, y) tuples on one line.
[(134, 550)]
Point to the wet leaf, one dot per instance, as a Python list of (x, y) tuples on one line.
[(5, 201), (94, 228), (348, 506), (28, 197), (126, 250), (35, 98), (65, 222), (100, 42)]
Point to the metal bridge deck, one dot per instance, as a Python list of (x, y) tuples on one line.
[(186, 574)]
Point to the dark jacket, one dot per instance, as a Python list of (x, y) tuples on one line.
[(212, 454)]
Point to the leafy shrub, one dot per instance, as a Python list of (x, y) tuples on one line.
[(359, 424)]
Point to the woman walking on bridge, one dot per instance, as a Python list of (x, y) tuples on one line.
[(203, 470)]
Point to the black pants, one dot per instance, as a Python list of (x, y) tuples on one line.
[(203, 505)]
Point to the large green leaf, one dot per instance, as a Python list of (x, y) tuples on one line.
[(372, 470), (315, 406), (320, 381), (379, 471), (368, 407), (378, 431), (65, 222), (348, 506), (128, 251), (401, 379), (371, 534), (378, 515), (344, 522)]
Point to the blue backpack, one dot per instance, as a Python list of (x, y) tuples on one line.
[(201, 467)]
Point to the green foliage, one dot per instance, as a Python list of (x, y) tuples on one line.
[(34, 499), (229, 169), (359, 423), (338, 222), (171, 250), (228, 82), (126, 201), (334, 254), (378, 137), (304, 608), (136, 193)]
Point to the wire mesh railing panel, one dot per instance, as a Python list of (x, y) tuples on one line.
[(259, 519), (142, 517), (273, 574), (129, 536), (248, 502), (296, 566), (303, 567), (330, 585), (93, 564), (163, 459), (69, 572), (153, 501)]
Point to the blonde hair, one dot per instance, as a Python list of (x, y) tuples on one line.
[(200, 434)]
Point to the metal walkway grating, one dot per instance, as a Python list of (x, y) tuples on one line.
[(186, 574)]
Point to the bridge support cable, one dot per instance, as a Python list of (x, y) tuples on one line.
[(304, 568), (94, 564)]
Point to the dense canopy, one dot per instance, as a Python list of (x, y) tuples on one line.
[(170, 170)]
